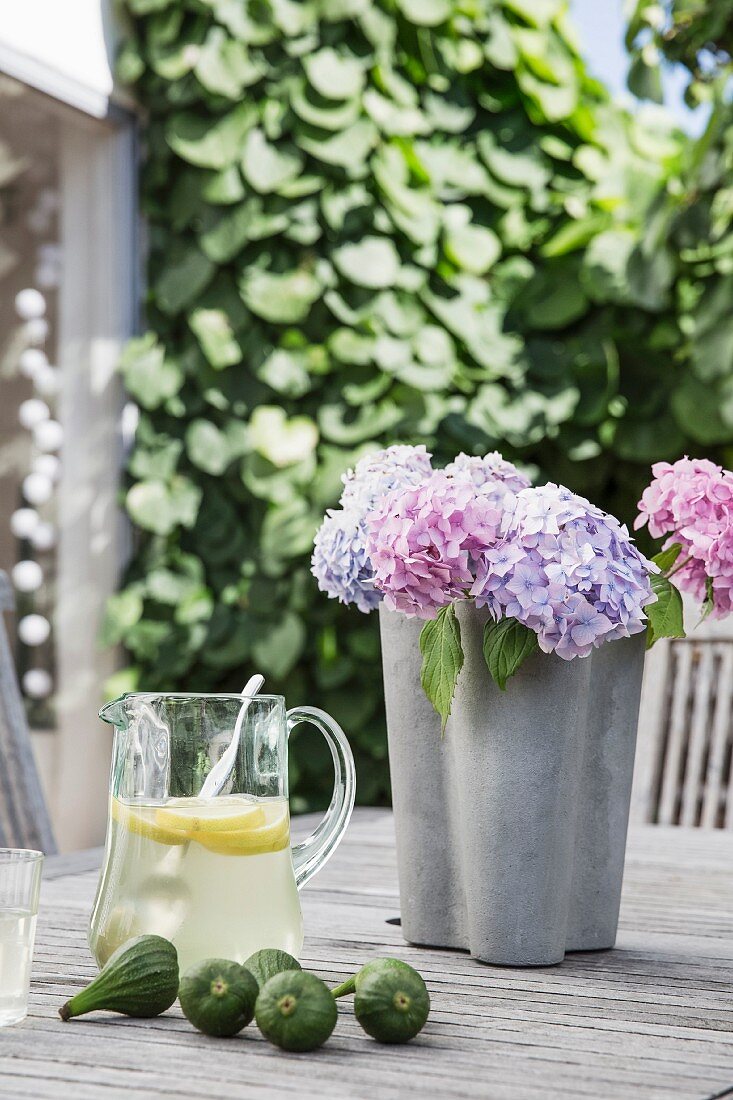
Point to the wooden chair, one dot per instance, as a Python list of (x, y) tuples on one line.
[(24, 820), (684, 765)]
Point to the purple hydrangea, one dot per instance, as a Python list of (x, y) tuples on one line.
[(424, 542), (378, 474), (567, 570), (340, 563)]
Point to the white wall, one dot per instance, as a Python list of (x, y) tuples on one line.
[(62, 47)]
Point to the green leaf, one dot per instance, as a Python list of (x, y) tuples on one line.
[(326, 114), (442, 660), (604, 274), (162, 506), (279, 298), (186, 274), (207, 447), (555, 304), (374, 262), (507, 645), (213, 331), (286, 372), (698, 409), (267, 167), (645, 81), (666, 619), (473, 248), (334, 75), (124, 610), (149, 377), (426, 13), (708, 604), (196, 140), (348, 149), (225, 66), (287, 532), (371, 421), (279, 645), (282, 441), (665, 559), (144, 7)]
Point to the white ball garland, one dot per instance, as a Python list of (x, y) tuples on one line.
[(32, 412), (24, 522), (30, 361), (36, 330), (30, 304), (47, 465), (37, 489), (37, 683), (43, 537), (27, 576), (48, 436), (46, 380), (34, 630)]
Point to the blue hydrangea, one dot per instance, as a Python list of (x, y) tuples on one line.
[(340, 563)]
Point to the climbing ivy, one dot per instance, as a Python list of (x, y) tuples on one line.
[(373, 221)]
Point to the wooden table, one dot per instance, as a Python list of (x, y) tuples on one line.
[(654, 1018)]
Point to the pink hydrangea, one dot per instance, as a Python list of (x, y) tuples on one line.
[(423, 542), (691, 502)]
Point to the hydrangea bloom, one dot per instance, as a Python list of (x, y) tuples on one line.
[(424, 542), (492, 475), (567, 570), (376, 475), (340, 563), (691, 501)]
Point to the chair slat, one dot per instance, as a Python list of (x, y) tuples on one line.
[(667, 813), (702, 701), (653, 720), (714, 784)]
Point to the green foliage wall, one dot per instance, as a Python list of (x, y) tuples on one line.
[(698, 34), (370, 222)]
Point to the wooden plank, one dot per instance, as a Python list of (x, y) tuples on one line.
[(652, 1020)]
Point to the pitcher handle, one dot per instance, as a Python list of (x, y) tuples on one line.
[(311, 855)]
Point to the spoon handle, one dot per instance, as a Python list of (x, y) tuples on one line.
[(221, 771)]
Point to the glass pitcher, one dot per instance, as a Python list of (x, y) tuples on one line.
[(216, 875)]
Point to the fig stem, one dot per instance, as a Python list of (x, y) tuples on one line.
[(343, 990)]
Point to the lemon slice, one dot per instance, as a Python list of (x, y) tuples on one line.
[(142, 820), (271, 836), (196, 816)]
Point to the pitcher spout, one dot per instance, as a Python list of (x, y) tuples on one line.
[(115, 712)]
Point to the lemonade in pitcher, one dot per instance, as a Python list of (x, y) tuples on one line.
[(201, 873), (216, 875)]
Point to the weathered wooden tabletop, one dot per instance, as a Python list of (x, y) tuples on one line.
[(654, 1018)]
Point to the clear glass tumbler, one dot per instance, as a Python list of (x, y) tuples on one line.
[(20, 884)]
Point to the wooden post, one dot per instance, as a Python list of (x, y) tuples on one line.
[(97, 312)]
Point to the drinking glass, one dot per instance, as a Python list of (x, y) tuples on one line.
[(20, 883)]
